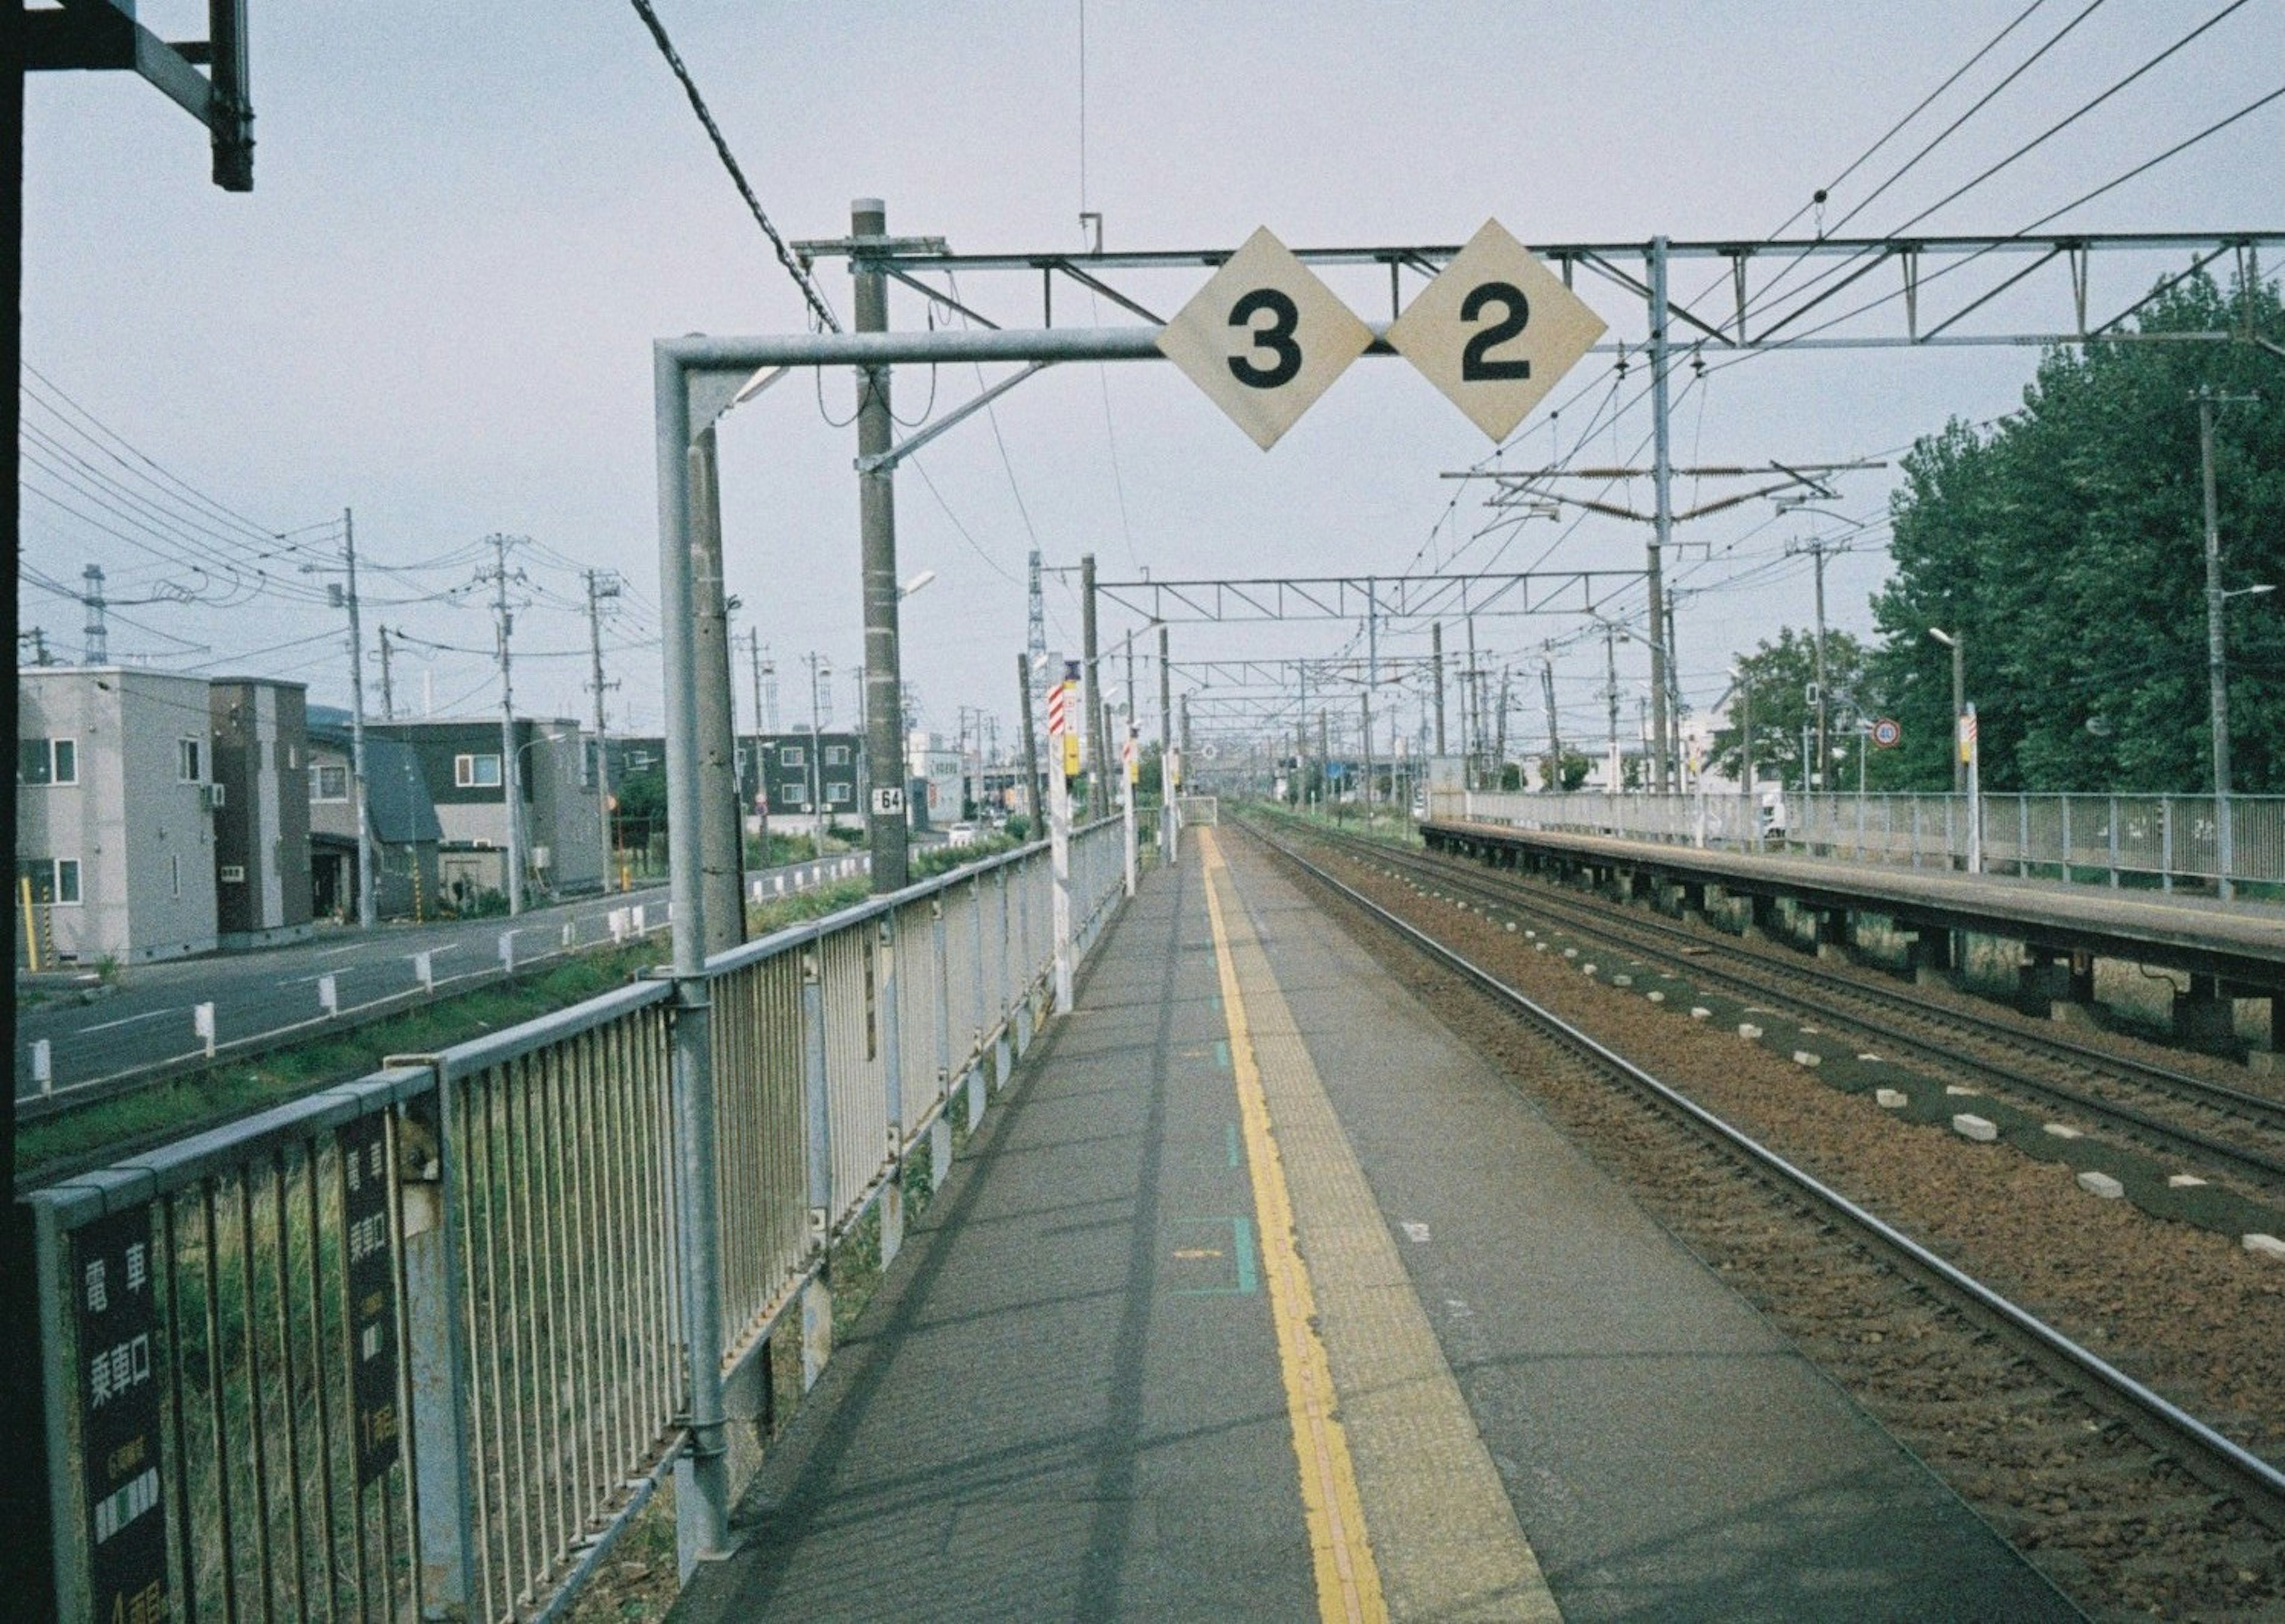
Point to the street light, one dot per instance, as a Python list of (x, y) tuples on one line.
[(916, 583), (2225, 854)]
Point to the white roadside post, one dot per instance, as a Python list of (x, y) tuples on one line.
[(1062, 751), (424, 971), (507, 951), (43, 1065), (329, 994), (1131, 765), (202, 1026)]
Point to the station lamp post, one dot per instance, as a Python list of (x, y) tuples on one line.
[(1957, 641), (2217, 674)]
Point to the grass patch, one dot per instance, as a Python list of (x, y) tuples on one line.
[(49, 1146)]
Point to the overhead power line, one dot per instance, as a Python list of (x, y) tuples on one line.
[(793, 267)]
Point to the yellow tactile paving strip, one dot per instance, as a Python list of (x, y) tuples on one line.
[(1438, 1538)]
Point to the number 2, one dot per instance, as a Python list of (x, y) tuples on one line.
[(1278, 338), (1476, 363)]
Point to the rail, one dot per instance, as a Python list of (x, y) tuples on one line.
[(2104, 839), (412, 1347)]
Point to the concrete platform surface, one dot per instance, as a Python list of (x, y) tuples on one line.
[(1261, 1296)]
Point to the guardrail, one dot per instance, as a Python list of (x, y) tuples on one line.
[(2112, 839), (412, 1347)]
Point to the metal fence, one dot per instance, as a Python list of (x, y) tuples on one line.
[(412, 1347), (2104, 839)]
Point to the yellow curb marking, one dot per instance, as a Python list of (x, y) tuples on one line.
[(1348, 1580)]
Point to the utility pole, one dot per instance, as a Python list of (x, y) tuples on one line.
[(1098, 788), (388, 694), (1436, 645), (1662, 479), (818, 663), (1554, 726), (1499, 734), (1035, 638), (367, 912), (721, 866), (1611, 695), (1818, 548), (764, 725), (877, 523), (601, 583), (1365, 701), (511, 765), (98, 637), (1472, 712), (1746, 758), (1031, 746), (2217, 665)]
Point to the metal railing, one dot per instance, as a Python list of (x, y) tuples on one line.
[(2106, 839), (413, 1346)]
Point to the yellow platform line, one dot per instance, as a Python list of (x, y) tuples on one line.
[(1349, 1581)]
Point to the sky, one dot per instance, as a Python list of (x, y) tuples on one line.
[(469, 224)]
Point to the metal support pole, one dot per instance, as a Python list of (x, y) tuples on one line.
[(1662, 480), (704, 1511), (1436, 645), (1975, 751), (1030, 745), (1959, 640), (817, 1114), (599, 587), (2216, 670), (718, 824), (877, 524), (1610, 698), (1824, 742), (367, 911), (1127, 775), (1059, 861), (1167, 834)]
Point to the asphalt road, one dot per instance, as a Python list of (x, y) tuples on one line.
[(147, 1021)]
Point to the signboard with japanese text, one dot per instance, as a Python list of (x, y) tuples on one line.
[(371, 1283), (116, 1304)]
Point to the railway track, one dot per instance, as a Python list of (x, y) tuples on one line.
[(2168, 1431), (2236, 1131)]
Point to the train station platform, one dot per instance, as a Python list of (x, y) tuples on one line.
[(1265, 1297)]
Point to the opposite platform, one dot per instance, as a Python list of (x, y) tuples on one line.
[(1159, 1348)]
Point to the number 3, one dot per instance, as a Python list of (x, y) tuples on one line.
[(1476, 364), (1278, 338)]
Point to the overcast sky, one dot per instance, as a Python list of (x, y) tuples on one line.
[(469, 224)]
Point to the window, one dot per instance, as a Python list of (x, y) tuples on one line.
[(329, 780), (837, 755), (233, 874), (190, 760), (217, 793), (51, 879), (477, 771), (836, 794), (174, 873), (47, 761), (588, 751), (640, 761), (797, 797), (793, 756)]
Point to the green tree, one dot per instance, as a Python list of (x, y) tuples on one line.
[(2067, 545), (1783, 677), (1568, 772)]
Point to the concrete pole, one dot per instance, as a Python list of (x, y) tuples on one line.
[(595, 594), (1364, 704), (761, 754), (1059, 821), (1959, 641), (1436, 643), (1824, 744), (1746, 760), (511, 763), (1663, 481), (885, 726), (718, 825), (388, 693), (1554, 723), (1611, 695), (1166, 753), (367, 911), (2216, 668)]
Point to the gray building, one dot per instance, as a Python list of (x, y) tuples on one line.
[(262, 810), (459, 761), (114, 813), (400, 819)]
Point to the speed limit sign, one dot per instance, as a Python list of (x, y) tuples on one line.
[(1264, 338), (1887, 732)]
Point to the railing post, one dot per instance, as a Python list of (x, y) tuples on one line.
[(892, 1195), (436, 1358), (2066, 800), (940, 1134), (817, 1110), (2114, 843), (2165, 843)]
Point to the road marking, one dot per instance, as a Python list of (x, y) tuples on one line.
[(335, 952), (1417, 1233), (130, 1020), (1349, 1583)]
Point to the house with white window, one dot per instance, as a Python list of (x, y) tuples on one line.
[(115, 800), (461, 763), (262, 810), (400, 817)]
